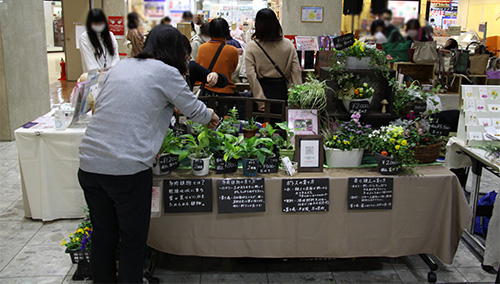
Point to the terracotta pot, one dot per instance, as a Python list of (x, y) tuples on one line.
[(249, 133)]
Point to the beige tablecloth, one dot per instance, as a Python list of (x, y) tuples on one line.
[(429, 215)]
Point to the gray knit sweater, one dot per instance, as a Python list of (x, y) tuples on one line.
[(133, 112)]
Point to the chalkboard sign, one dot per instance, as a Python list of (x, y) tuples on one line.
[(440, 129), (241, 195), (198, 164), (270, 166), (344, 41), (187, 195), (389, 166), (369, 193), (168, 163), (305, 195), (359, 106), (420, 107), (252, 166), (223, 167)]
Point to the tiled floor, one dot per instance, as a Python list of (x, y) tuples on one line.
[(30, 252)]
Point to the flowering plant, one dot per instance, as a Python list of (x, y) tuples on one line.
[(393, 141), (378, 59), (81, 239), (417, 130), (348, 135), (350, 88)]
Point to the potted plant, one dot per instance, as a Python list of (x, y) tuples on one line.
[(286, 147), (218, 147), (351, 90), (194, 128), (360, 56), (170, 154), (407, 97), (199, 152), (250, 152), (392, 150), (250, 128), (344, 147), (78, 246), (311, 94), (227, 127), (233, 118)]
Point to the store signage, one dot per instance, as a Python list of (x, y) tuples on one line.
[(198, 164), (270, 166), (223, 167), (440, 129), (168, 163), (305, 195), (252, 166), (187, 195), (241, 195), (389, 166), (116, 25), (344, 41), (420, 107), (359, 106), (369, 193), (454, 30)]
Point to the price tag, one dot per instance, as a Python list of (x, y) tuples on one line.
[(252, 166), (344, 41), (359, 106), (168, 163), (198, 164), (288, 165), (440, 129), (420, 107)]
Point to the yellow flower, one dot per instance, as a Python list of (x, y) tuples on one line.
[(70, 235), (63, 242), (87, 229), (397, 147), (404, 142), (79, 231), (362, 49), (74, 240), (393, 140)]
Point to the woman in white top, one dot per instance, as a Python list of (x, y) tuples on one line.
[(98, 45)]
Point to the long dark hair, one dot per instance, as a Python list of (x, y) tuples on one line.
[(167, 44), (267, 26), (132, 19), (218, 28), (376, 24), (98, 16)]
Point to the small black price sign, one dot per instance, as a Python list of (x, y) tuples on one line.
[(270, 166), (344, 41), (420, 107), (223, 167), (305, 195), (359, 106), (198, 164), (440, 129), (389, 166), (252, 166), (187, 195), (168, 163), (241, 195), (369, 193)]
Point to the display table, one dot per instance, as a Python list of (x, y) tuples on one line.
[(429, 215), (49, 164)]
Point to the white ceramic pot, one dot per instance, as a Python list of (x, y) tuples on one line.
[(347, 102), (353, 63), (336, 158), (200, 167)]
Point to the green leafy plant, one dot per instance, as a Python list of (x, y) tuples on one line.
[(251, 124), (196, 128), (405, 95), (267, 130), (417, 131), (198, 147), (348, 135), (286, 144), (251, 148), (311, 94), (172, 145), (218, 141), (232, 115), (228, 127), (378, 59), (352, 89)]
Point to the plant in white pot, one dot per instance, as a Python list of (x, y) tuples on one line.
[(345, 145), (360, 56), (355, 95), (170, 154), (199, 152)]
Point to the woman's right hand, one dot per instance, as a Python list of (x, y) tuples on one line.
[(214, 121)]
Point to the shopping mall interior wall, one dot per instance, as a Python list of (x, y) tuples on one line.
[(24, 84), (491, 12), (117, 8), (292, 24)]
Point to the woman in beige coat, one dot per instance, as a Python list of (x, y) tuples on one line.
[(268, 80)]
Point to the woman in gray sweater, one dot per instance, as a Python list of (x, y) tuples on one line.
[(133, 112)]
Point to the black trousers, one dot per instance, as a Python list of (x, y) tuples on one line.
[(120, 209)]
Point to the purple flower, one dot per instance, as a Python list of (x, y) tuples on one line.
[(356, 116)]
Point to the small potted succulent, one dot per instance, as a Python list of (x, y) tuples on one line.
[(392, 150), (285, 145), (250, 128), (199, 152), (310, 95), (345, 145), (251, 153), (170, 154)]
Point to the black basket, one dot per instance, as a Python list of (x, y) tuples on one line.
[(82, 260)]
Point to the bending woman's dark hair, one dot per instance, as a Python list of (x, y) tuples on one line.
[(219, 28), (167, 44), (132, 19), (453, 44), (376, 24), (98, 16), (267, 26)]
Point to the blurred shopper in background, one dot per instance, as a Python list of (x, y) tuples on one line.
[(376, 33), (271, 61), (199, 39), (386, 16), (414, 31), (166, 21), (187, 17), (133, 35), (98, 46)]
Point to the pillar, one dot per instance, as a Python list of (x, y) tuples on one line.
[(292, 24)]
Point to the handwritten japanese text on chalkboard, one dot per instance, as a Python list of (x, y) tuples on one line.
[(270, 166), (359, 106), (370, 193), (168, 163), (187, 195), (344, 41), (241, 195), (440, 129), (305, 195)]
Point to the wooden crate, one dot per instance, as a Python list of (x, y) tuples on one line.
[(424, 73)]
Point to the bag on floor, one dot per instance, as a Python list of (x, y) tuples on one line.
[(398, 50), (482, 222)]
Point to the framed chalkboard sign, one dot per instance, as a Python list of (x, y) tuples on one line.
[(187, 195), (369, 193), (305, 195), (241, 195)]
